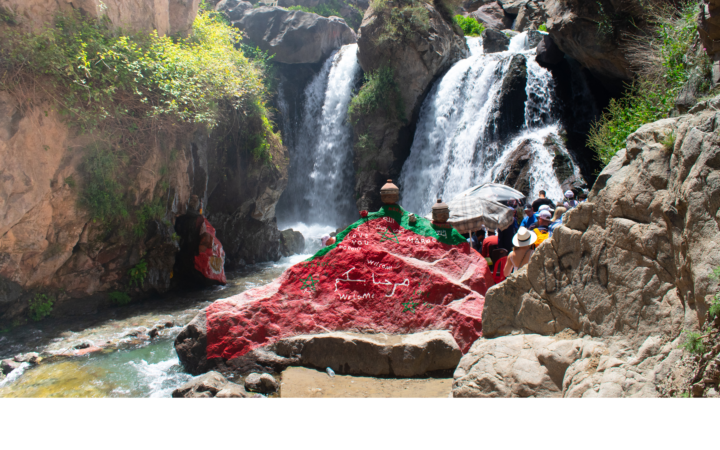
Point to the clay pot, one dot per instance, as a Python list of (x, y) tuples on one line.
[(389, 193), (440, 212)]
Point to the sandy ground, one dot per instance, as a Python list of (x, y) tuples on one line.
[(299, 382)]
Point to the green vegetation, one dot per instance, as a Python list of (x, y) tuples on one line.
[(101, 193), (693, 343), (543, 28), (70, 181), (714, 310), (403, 19), (40, 306), (666, 58), (469, 25), (668, 141), (119, 298), (380, 92), (332, 8), (149, 211), (138, 274)]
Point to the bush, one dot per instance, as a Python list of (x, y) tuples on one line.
[(664, 59), (403, 20), (101, 193), (332, 8), (40, 307), (694, 343), (469, 25), (543, 28), (119, 298), (138, 274), (379, 92), (149, 211)]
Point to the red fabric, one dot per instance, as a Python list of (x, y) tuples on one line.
[(487, 243), (499, 270), (211, 262), (380, 277)]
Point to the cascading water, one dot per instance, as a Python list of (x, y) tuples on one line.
[(319, 196), (452, 150)]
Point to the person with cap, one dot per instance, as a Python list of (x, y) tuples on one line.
[(522, 251), (557, 219), (542, 201), (529, 218), (570, 201), (541, 227)]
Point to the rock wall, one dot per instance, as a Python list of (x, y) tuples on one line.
[(630, 267), (165, 16), (49, 243), (423, 55)]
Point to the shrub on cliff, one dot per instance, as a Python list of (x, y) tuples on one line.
[(469, 25), (379, 92), (665, 58)]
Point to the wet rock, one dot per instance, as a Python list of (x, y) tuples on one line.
[(508, 113), (295, 37), (32, 358), (82, 345), (548, 53), (492, 16), (534, 38), (374, 354), (8, 365), (293, 241), (263, 383), (495, 41), (209, 385), (191, 345)]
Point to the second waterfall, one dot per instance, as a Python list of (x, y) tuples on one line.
[(320, 188)]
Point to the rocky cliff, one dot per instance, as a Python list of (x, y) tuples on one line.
[(416, 46), (629, 271)]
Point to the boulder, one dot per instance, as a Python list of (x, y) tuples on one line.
[(262, 383), (508, 110), (209, 385), (548, 53), (642, 247), (492, 16), (8, 365), (474, 5), (418, 53), (293, 241), (512, 6), (383, 275), (32, 358), (573, 25), (376, 355), (709, 29), (234, 9), (495, 41), (518, 366), (530, 17), (295, 37), (534, 37)]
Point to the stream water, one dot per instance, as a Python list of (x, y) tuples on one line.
[(128, 365)]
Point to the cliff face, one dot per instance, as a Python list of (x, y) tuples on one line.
[(165, 16)]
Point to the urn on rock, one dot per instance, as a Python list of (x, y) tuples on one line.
[(389, 193), (440, 212)]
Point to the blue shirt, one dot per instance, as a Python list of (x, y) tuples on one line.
[(554, 225), (528, 221)]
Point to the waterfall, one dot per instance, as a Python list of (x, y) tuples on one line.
[(321, 180), (452, 150)]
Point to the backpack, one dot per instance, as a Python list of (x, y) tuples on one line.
[(542, 234)]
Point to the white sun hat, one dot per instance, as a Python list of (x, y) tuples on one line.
[(569, 194), (524, 237)]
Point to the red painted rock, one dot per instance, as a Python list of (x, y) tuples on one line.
[(210, 260), (383, 275)]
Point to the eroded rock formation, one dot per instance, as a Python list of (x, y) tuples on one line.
[(630, 267)]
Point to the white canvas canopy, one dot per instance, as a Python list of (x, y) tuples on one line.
[(479, 206)]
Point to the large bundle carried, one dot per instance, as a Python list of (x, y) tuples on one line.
[(383, 275)]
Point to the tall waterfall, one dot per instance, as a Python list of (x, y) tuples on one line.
[(453, 150), (320, 189)]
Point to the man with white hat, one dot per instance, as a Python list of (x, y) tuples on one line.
[(570, 201), (523, 242)]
